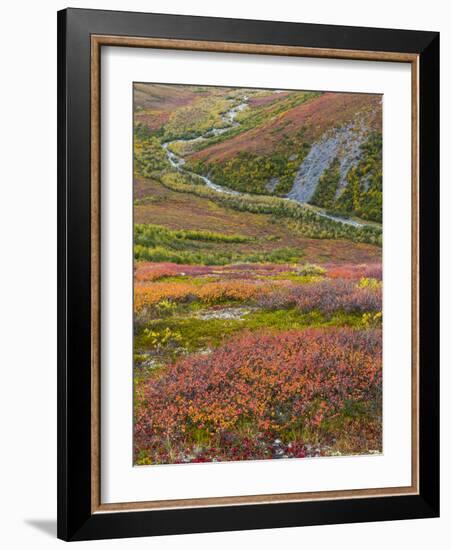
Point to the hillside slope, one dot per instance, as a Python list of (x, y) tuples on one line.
[(311, 120), (321, 148)]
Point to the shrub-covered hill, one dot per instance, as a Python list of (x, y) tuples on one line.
[(322, 148), (311, 119)]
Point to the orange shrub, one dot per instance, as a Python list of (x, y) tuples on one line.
[(149, 295), (230, 290)]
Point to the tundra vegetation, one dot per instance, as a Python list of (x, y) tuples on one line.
[(257, 319)]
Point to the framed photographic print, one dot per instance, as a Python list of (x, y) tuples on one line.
[(248, 274)]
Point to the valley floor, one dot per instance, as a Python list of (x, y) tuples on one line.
[(156, 204)]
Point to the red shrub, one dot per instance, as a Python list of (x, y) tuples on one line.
[(354, 271), (149, 271), (327, 296), (273, 384), (340, 295)]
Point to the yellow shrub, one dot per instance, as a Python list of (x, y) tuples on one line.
[(368, 282)]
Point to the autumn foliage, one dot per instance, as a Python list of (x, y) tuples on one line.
[(257, 327), (260, 387), (326, 295), (354, 271), (150, 295)]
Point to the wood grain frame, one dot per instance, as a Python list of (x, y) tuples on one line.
[(121, 41), (89, 517)]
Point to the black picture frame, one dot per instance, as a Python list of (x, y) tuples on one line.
[(76, 521)]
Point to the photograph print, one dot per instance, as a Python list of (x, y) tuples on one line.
[(257, 274)]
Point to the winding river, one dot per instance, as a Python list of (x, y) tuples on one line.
[(229, 119)]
